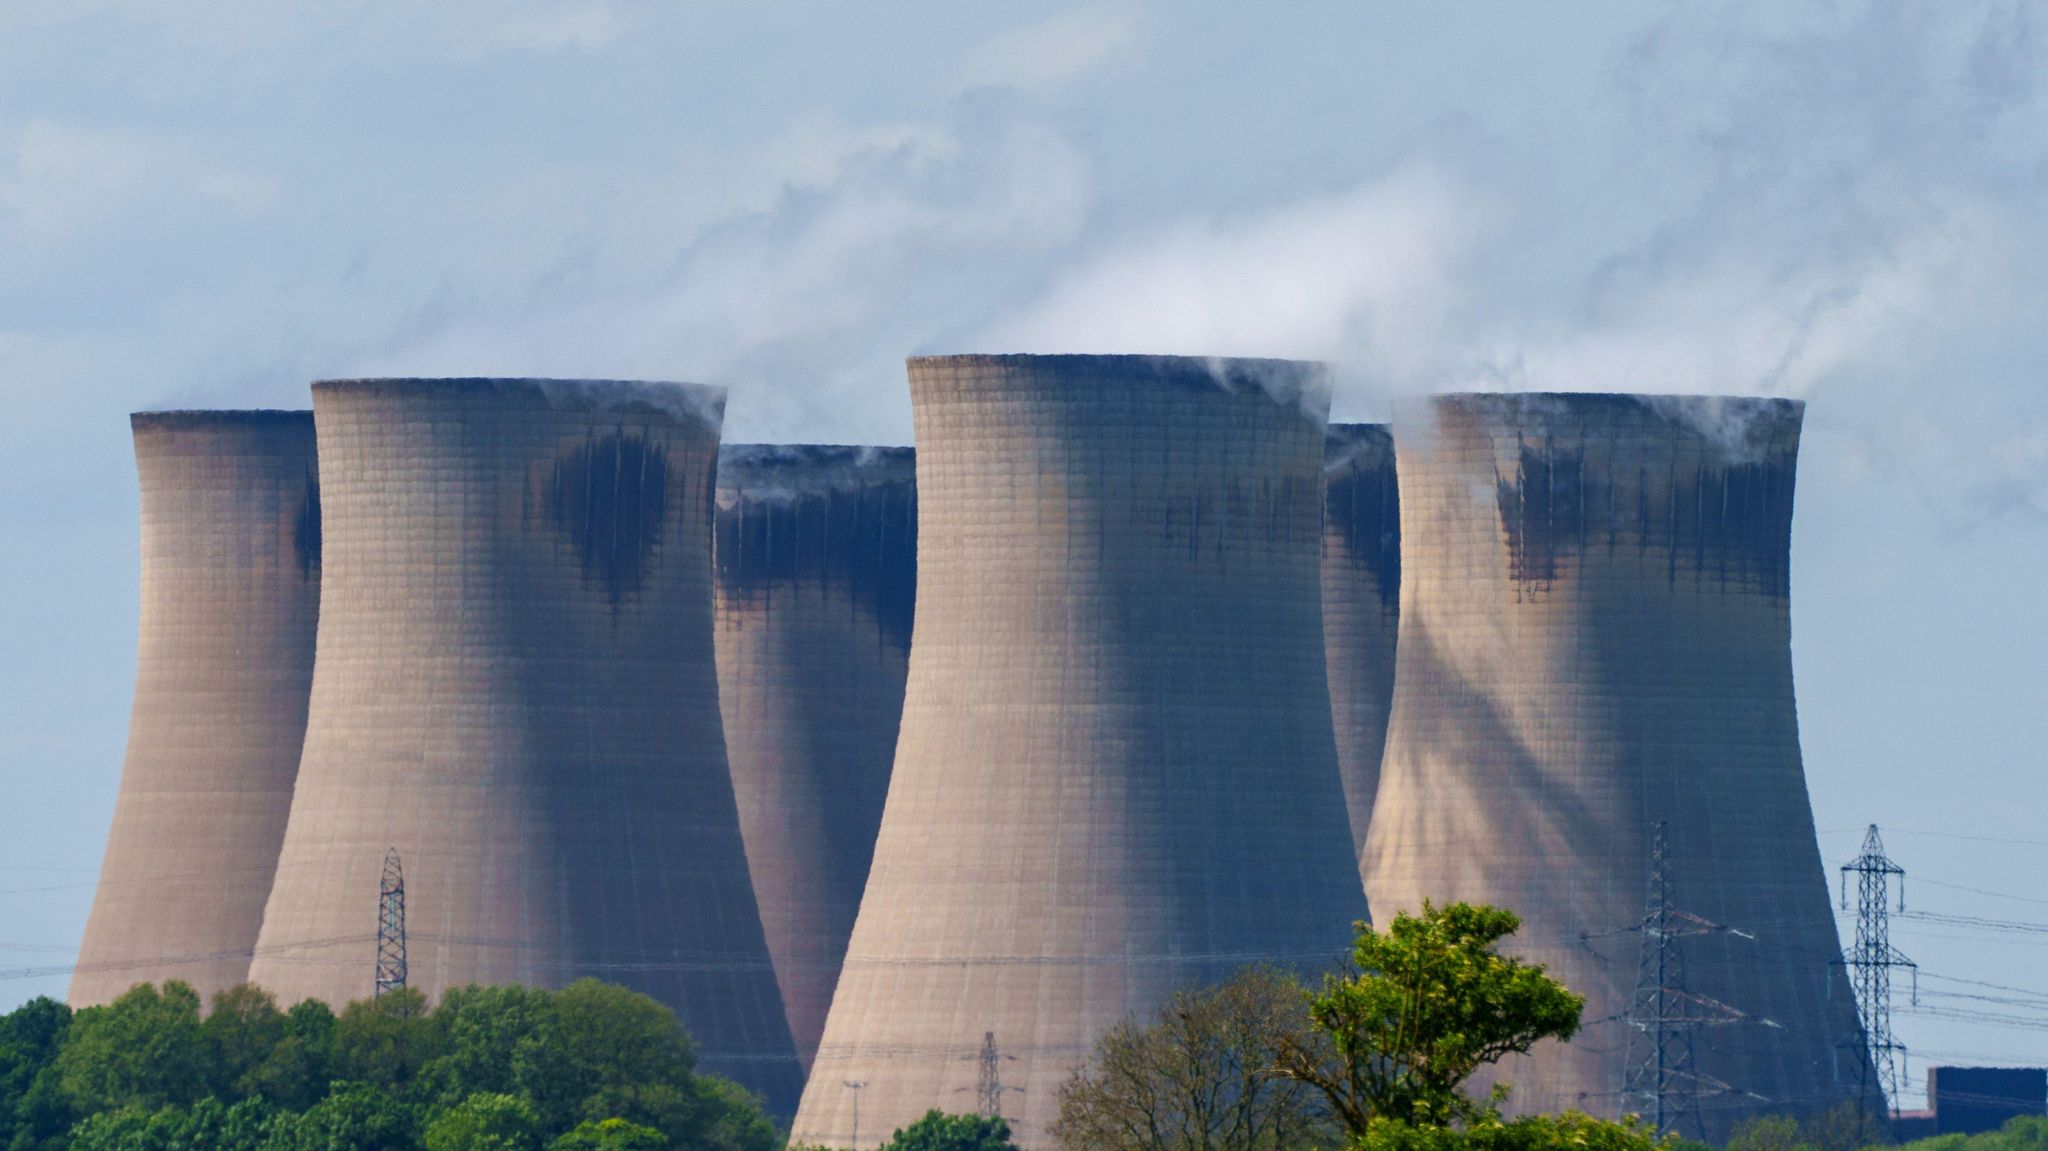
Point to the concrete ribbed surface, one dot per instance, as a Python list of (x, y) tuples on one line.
[(816, 552), (230, 599), (1595, 634), (1116, 771), (1361, 603), (516, 689)]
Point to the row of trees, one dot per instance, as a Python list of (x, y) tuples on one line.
[(592, 1067)]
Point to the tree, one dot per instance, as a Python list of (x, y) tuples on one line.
[(33, 1111), (354, 1117), (938, 1131), (1768, 1133), (615, 1054), (144, 1050), (484, 1031), (386, 1041), (1571, 1131), (486, 1122), (208, 1125), (1199, 1076), (241, 1031), (1430, 1001), (611, 1135), (296, 1072)]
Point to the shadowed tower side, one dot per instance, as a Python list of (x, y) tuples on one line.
[(817, 576), (1595, 635), (1116, 771), (230, 601), (516, 690), (1361, 603)]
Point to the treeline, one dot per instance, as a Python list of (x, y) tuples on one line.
[(1844, 1129), (592, 1067)]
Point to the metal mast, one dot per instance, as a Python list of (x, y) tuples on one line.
[(391, 926), (1870, 964), (1659, 1081), (988, 1089)]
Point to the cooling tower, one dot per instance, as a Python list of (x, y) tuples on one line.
[(516, 690), (230, 599), (1116, 771), (817, 573), (1361, 603), (1595, 635)]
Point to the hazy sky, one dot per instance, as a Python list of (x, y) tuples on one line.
[(1837, 201)]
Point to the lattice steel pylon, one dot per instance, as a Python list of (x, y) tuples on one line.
[(988, 1087), (1870, 962), (1659, 1082), (391, 926)]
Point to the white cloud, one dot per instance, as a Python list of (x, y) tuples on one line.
[(58, 179), (1050, 52)]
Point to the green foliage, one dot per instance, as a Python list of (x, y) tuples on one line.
[(611, 1135), (938, 1131), (144, 1050), (1848, 1126), (486, 1122), (1199, 1075), (33, 1111), (589, 1068), (1430, 1002), (1571, 1131)]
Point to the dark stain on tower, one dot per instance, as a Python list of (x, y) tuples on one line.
[(1363, 502), (306, 530), (1718, 519), (862, 536), (610, 495)]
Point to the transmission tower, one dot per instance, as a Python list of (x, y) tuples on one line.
[(988, 1088), (1870, 964), (391, 926), (1659, 1081)]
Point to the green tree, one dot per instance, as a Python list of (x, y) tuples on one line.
[(1429, 1002), (938, 1131), (1487, 1131), (296, 1072), (1768, 1133), (33, 1111), (241, 1031), (143, 1050), (486, 1122), (354, 1117), (616, 1054), (208, 1125), (1199, 1074), (611, 1135), (386, 1041), (484, 1030)]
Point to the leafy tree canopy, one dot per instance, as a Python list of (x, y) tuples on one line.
[(938, 1131), (1430, 1001)]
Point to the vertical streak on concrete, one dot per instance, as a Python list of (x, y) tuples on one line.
[(516, 689), (1116, 771), (1595, 633), (230, 599), (1361, 603), (817, 573)]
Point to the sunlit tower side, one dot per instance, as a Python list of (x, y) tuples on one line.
[(1870, 961), (391, 926)]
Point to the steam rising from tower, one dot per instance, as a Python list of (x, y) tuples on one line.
[(1595, 637), (1116, 771), (230, 600), (817, 576), (516, 690)]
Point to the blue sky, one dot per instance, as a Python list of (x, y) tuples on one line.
[(209, 205)]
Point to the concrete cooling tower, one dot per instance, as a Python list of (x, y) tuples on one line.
[(230, 599), (516, 690), (1361, 603), (1116, 772), (1595, 636), (817, 574)]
